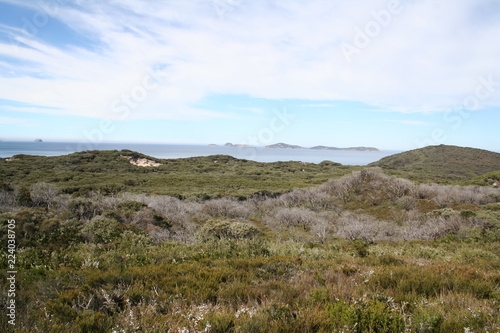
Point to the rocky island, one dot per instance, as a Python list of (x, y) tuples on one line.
[(229, 144), (288, 146)]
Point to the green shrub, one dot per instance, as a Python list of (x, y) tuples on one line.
[(92, 321), (361, 248), (83, 209), (221, 322), (364, 316), (130, 206), (217, 229), (101, 230)]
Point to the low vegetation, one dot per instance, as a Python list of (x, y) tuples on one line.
[(441, 163), (109, 173), (354, 250)]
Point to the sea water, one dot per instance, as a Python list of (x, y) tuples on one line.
[(9, 149)]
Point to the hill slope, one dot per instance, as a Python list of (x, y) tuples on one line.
[(442, 163), (212, 176)]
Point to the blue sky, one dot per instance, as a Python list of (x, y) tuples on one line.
[(390, 74)]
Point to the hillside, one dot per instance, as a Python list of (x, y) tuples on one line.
[(112, 172), (441, 163)]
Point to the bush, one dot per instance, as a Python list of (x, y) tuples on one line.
[(361, 227), (226, 207), (364, 316), (297, 217), (7, 198), (407, 202), (130, 207), (83, 209), (227, 230), (102, 230), (44, 194)]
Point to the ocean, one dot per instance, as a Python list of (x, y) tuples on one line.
[(167, 151)]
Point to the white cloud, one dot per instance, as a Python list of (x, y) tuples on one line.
[(429, 57)]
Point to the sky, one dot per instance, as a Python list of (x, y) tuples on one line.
[(389, 74)]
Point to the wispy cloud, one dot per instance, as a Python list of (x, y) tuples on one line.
[(264, 49), (318, 105), (253, 110), (17, 121)]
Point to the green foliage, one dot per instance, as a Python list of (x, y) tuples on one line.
[(24, 197), (365, 316), (361, 248), (102, 230), (222, 322), (83, 209), (218, 229), (129, 207), (442, 164), (488, 179), (139, 284), (39, 228)]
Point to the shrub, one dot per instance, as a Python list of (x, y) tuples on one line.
[(178, 212), (23, 196), (128, 207), (364, 316), (407, 202), (361, 227), (227, 230), (398, 187), (313, 198), (102, 230), (226, 207), (297, 217), (7, 198), (44, 194), (83, 209), (221, 322)]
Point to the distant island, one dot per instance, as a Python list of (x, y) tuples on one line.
[(229, 144), (282, 145), (288, 146), (38, 140)]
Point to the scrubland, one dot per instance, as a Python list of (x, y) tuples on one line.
[(361, 252)]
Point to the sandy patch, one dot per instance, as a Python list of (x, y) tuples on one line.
[(142, 162)]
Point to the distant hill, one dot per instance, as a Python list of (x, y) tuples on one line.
[(368, 149), (442, 163), (288, 146), (284, 146), (229, 144)]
